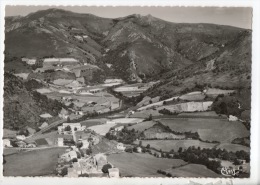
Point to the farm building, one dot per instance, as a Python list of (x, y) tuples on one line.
[(113, 172), (59, 62), (29, 61), (20, 137), (139, 149), (100, 161), (44, 125), (7, 143), (232, 118)]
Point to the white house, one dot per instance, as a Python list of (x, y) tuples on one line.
[(113, 172), (139, 149), (85, 144), (60, 141), (31, 62), (120, 146), (64, 113), (7, 143)]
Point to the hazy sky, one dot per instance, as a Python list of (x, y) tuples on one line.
[(239, 17)]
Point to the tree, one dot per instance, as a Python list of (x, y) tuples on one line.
[(106, 167), (64, 171), (140, 143), (67, 128), (75, 129), (180, 150), (68, 119), (148, 146)]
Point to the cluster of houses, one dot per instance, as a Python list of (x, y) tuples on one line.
[(80, 164)]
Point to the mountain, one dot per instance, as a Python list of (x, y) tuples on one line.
[(22, 106), (140, 48)]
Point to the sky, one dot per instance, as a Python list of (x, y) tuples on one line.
[(234, 16)]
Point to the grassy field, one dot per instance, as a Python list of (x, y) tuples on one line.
[(233, 147), (209, 129), (142, 126), (192, 170), (168, 145), (207, 114), (34, 163), (141, 165), (102, 129)]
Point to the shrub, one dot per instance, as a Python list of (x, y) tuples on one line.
[(106, 167)]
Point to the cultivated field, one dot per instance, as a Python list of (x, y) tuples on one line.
[(127, 120), (192, 170), (209, 129), (141, 165), (102, 129), (142, 126), (168, 145), (33, 163), (233, 147)]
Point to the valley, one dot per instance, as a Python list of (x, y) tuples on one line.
[(135, 96)]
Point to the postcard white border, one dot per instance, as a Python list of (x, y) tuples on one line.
[(255, 128)]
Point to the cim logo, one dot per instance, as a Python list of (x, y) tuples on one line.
[(230, 172)]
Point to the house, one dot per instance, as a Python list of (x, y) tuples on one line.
[(85, 144), (7, 143), (20, 137), (119, 128), (139, 149), (21, 144), (46, 115), (64, 114), (113, 172), (72, 172), (232, 118), (100, 161), (60, 141), (120, 146), (44, 125), (31, 62)]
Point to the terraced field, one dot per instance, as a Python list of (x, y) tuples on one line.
[(142, 165), (168, 145), (209, 129)]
